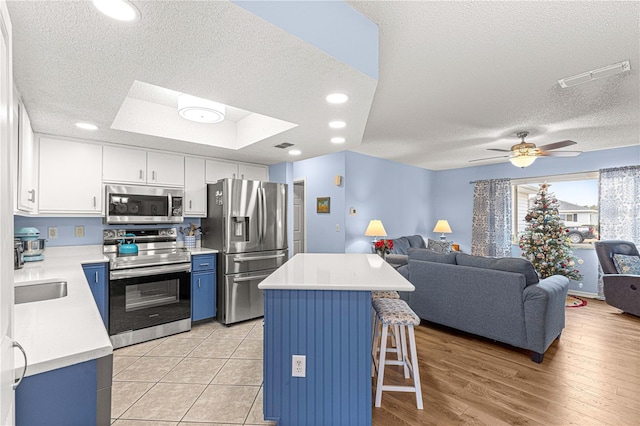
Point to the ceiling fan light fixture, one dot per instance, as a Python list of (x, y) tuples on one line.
[(200, 110), (522, 160), (121, 10)]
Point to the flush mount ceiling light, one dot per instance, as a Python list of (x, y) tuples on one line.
[(337, 98), (295, 152), (87, 126), (200, 110), (594, 74), (338, 139), (121, 10), (337, 124)]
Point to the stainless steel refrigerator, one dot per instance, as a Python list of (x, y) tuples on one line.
[(247, 223)]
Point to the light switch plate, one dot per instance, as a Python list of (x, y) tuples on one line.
[(79, 231), (52, 232)]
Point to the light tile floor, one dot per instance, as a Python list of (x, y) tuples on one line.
[(211, 375)]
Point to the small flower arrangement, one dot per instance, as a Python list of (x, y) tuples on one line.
[(383, 247), (191, 231)]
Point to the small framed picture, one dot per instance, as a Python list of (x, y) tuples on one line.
[(323, 205)]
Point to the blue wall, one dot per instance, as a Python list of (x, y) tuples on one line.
[(397, 194)]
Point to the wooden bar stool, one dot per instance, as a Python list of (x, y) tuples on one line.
[(384, 294), (396, 312)]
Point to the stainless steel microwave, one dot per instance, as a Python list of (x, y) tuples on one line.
[(143, 204)]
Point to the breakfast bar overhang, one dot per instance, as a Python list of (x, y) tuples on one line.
[(319, 306)]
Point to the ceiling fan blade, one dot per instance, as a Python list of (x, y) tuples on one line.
[(560, 154), (489, 158), (499, 150), (556, 145)]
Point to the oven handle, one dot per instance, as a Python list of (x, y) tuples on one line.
[(249, 259), (145, 272)]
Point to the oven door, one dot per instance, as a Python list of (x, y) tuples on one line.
[(146, 297)]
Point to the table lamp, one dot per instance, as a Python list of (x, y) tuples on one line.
[(443, 227), (375, 229)]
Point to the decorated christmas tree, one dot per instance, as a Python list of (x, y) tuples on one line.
[(544, 241)]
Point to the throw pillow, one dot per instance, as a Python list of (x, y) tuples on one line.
[(507, 264), (432, 256), (416, 241), (439, 246), (629, 265), (400, 245)]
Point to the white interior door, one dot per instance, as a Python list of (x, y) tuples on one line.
[(6, 225), (298, 218)]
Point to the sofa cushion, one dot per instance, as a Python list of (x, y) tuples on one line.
[(400, 245), (416, 241), (507, 264), (432, 256), (629, 265), (439, 246)]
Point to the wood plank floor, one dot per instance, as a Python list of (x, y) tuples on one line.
[(591, 376)]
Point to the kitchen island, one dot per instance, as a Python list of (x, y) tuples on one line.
[(319, 306)]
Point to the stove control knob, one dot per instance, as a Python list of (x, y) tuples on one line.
[(109, 233)]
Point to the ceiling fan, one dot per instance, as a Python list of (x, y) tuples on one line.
[(523, 154)]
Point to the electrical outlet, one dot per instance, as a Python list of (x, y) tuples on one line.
[(79, 231), (298, 366), (52, 232)]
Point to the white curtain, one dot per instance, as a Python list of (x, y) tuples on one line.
[(491, 232), (619, 206)]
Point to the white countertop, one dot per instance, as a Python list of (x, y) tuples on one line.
[(350, 271), (202, 250), (60, 332)]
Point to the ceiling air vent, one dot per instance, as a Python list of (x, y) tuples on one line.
[(283, 145), (595, 74)]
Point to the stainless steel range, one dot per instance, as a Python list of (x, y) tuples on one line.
[(149, 284)]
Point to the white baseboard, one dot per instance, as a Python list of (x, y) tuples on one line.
[(585, 294)]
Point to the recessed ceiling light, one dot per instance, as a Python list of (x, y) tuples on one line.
[(337, 124), (338, 139), (121, 10), (337, 98), (87, 126), (200, 110), (295, 152)]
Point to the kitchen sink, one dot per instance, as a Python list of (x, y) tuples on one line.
[(37, 291)]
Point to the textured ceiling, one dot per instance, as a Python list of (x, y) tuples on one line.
[(455, 78)]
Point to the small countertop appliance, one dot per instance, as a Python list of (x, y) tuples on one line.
[(32, 244)]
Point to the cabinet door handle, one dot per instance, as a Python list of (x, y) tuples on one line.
[(198, 282), (95, 202), (204, 264), (153, 175), (24, 354), (96, 277), (141, 174), (189, 203), (33, 196), (234, 175), (242, 176)]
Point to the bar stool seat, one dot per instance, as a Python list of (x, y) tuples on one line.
[(396, 313), (385, 294)]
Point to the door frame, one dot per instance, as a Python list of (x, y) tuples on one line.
[(302, 181)]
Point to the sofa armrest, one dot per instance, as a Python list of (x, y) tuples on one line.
[(544, 305), (623, 292), (397, 259)]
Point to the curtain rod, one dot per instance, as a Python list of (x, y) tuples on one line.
[(480, 180)]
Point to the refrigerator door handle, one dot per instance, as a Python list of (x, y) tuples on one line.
[(252, 278), (264, 213), (252, 258), (259, 211)]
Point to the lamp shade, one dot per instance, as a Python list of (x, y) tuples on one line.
[(523, 160), (375, 229), (443, 227)]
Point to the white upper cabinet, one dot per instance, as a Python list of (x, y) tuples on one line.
[(253, 172), (27, 164), (125, 165), (70, 177), (195, 188), (217, 170), (165, 169)]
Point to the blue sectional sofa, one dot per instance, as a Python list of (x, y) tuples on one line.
[(498, 298)]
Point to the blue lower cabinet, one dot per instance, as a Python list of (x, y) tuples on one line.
[(203, 287), (79, 394), (97, 278)]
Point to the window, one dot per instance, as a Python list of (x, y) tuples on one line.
[(577, 195)]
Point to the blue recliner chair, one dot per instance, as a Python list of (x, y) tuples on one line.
[(621, 291)]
